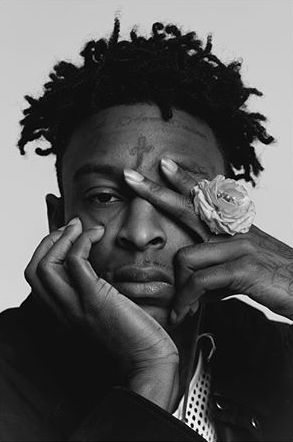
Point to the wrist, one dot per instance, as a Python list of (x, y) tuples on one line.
[(158, 384)]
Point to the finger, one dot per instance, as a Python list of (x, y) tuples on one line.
[(218, 281), (41, 272), (212, 253), (178, 206), (50, 268), (92, 288), (39, 292), (43, 248), (179, 178), (54, 275), (57, 253), (79, 255)]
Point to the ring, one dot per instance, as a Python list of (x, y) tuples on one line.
[(224, 205)]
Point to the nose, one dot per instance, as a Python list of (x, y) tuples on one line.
[(142, 227)]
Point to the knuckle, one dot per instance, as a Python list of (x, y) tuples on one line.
[(236, 272), (182, 209), (154, 188), (43, 267), (188, 204), (245, 271), (231, 271), (182, 257), (247, 245), (51, 238), (247, 264), (69, 240), (72, 260), (199, 278), (28, 274)]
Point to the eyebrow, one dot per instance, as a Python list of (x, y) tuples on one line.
[(102, 169)]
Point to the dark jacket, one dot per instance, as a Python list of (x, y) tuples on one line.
[(55, 385)]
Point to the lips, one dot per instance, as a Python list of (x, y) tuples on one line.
[(145, 285), (141, 274)]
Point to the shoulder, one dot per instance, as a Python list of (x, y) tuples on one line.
[(234, 315), (11, 325), (247, 338), (15, 338)]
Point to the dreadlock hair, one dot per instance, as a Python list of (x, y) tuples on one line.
[(169, 69)]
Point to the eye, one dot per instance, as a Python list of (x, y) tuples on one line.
[(103, 197)]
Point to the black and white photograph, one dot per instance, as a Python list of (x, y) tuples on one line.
[(147, 220)]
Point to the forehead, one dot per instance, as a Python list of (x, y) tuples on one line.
[(136, 136)]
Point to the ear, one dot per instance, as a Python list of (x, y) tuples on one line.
[(55, 211)]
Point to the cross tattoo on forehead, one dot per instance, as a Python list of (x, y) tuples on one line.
[(141, 149)]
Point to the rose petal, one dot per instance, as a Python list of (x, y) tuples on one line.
[(224, 205)]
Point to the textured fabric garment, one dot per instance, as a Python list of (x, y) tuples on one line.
[(199, 404), (57, 385)]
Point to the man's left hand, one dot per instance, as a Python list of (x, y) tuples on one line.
[(217, 266)]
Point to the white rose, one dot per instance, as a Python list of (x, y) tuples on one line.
[(224, 205)]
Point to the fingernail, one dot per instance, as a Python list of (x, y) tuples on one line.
[(169, 165), (99, 227), (173, 317), (73, 222), (98, 232), (62, 228), (132, 175)]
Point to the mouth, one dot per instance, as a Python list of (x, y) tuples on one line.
[(145, 285)]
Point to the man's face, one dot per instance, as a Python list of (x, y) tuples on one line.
[(136, 253)]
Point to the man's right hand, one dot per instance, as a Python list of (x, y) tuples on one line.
[(62, 277)]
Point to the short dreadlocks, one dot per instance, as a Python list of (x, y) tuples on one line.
[(169, 69)]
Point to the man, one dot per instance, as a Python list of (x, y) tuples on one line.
[(125, 336)]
